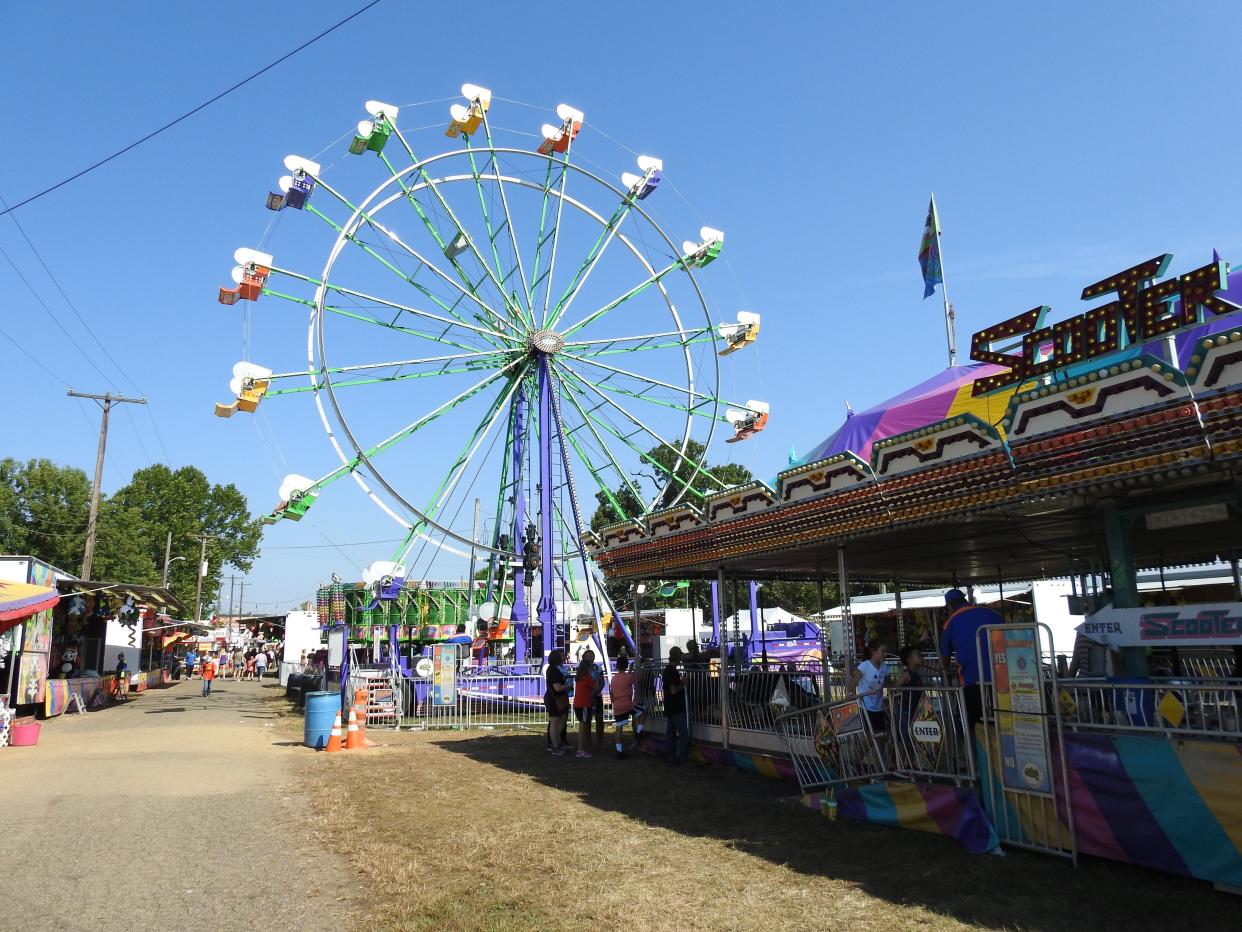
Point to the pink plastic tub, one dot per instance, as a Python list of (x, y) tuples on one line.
[(24, 736)]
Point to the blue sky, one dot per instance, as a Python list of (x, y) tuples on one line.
[(1063, 141)]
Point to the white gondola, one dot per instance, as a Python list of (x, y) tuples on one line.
[(706, 250), (740, 335), (639, 186), (747, 421)]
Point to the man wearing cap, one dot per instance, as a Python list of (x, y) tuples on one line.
[(961, 640)]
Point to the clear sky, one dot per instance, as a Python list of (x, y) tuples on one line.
[(1064, 141)]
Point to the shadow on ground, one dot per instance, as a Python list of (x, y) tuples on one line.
[(764, 819)]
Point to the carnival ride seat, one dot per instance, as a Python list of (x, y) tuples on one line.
[(740, 335), (466, 119), (296, 188), (704, 252), (250, 275), (557, 138), (297, 494), (642, 185), (249, 384), (748, 422), (373, 134)]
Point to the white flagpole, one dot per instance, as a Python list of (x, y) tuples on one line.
[(944, 289)]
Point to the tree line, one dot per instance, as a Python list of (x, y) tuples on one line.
[(44, 509)]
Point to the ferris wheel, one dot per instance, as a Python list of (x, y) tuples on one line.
[(492, 318)]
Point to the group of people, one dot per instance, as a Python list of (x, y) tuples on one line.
[(241, 664), (582, 690), (960, 647)]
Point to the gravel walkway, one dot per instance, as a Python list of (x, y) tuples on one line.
[(172, 811)]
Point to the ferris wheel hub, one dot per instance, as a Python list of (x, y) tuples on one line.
[(545, 342)]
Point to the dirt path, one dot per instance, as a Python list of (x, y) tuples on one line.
[(174, 811)]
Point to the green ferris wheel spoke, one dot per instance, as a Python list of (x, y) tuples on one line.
[(540, 238), (470, 243), (652, 279), (413, 427), (435, 270), (588, 264), (388, 325), (644, 455), (362, 367), (642, 428), (616, 370), (504, 203), (372, 299), (611, 347), (487, 220), (556, 231), (625, 477), (375, 380), (458, 469)]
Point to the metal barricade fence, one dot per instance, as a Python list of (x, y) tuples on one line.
[(1199, 707), (928, 734), (831, 744)]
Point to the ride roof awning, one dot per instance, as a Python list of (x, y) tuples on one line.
[(21, 600), (162, 599)]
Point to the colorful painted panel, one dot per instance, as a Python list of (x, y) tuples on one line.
[(953, 811), (1170, 806)]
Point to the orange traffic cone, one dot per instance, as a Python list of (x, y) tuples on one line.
[(334, 739), (360, 706), (353, 739)]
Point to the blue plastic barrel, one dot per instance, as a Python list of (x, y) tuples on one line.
[(321, 711)]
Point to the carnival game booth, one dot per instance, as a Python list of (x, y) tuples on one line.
[(1108, 444), (95, 622), (27, 599)]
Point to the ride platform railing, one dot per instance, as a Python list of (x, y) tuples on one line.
[(1173, 707)]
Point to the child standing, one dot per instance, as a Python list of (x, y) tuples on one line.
[(209, 674), (625, 711)]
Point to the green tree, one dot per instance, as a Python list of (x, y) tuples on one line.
[(185, 503), (43, 511), (664, 474)]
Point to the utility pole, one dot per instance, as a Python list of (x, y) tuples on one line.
[(92, 523), (202, 571)]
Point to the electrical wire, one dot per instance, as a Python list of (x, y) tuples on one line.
[(189, 113)]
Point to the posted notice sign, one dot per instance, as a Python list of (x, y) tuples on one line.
[(444, 674), (1025, 754)]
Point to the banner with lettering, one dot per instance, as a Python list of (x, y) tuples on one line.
[(1214, 625)]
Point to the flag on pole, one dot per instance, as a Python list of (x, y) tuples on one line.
[(929, 252)]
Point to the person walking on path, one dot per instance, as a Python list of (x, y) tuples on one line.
[(962, 640), (209, 674), (122, 677), (260, 664), (677, 729), (239, 663)]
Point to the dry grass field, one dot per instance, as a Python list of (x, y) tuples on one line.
[(469, 831)]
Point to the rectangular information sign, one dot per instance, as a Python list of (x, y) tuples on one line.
[(1025, 754), (444, 674)]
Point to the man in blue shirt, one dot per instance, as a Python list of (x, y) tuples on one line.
[(962, 640)]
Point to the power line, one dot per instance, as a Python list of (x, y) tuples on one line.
[(87, 327), (25, 352), (189, 113)]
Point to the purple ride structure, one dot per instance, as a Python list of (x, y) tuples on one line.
[(560, 365)]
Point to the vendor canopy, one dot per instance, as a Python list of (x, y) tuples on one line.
[(21, 600), (948, 394)]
